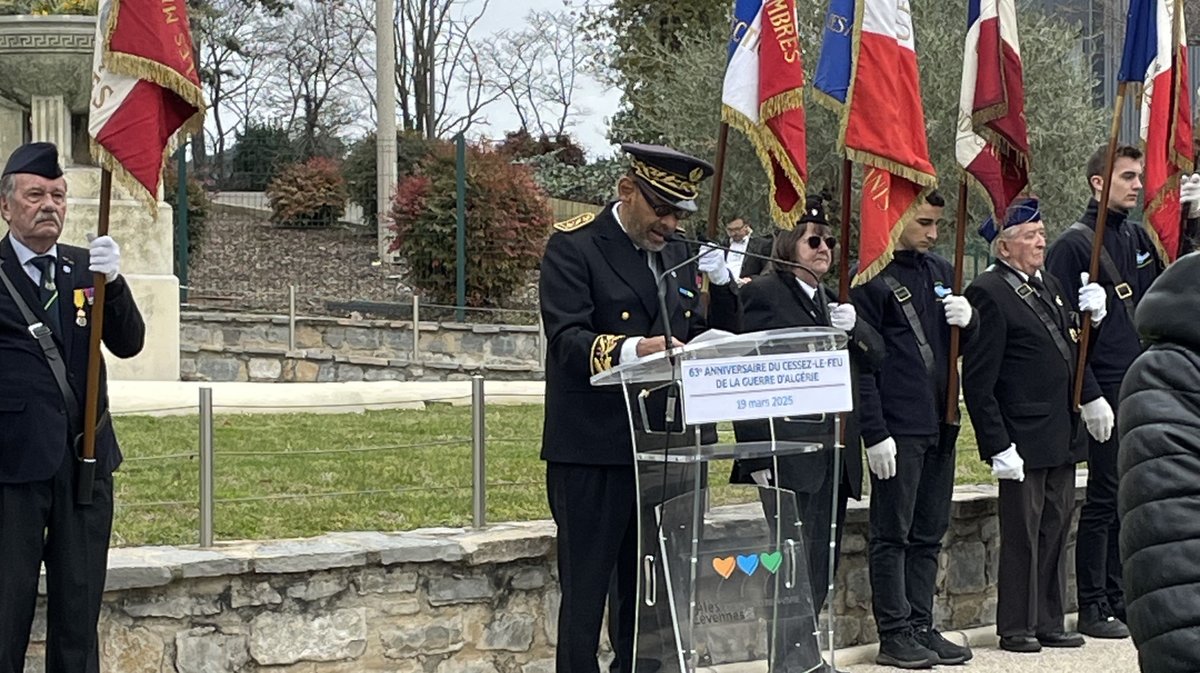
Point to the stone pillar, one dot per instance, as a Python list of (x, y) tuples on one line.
[(50, 121), (12, 128)]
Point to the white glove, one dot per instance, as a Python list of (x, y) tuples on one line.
[(1008, 464), (1092, 298), (958, 310), (881, 458), (842, 316), (104, 256), (712, 262), (1098, 417), (1189, 194)]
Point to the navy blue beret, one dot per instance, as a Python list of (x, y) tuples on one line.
[(35, 158)]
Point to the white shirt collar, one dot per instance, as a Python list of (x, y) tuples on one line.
[(808, 289), (740, 245), (24, 254), (617, 217), (1024, 276)]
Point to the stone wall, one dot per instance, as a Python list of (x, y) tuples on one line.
[(252, 347), (429, 601)]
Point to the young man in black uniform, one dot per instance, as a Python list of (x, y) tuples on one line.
[(1017, 381), (1130, 265), (600, 305), (41, 402), (910, 447)]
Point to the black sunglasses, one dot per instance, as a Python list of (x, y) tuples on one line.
[(815, 242), (662, 209)]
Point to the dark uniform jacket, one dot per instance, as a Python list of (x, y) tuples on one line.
[(899, 398), (1159, 468), (1112, 347), (596, 290), (34, 438), (753, 266), (776, 300), (1016, 381)]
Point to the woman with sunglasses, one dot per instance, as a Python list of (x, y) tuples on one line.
[(791, 293)]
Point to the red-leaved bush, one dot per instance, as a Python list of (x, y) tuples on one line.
[(507, 222), (308, 194)]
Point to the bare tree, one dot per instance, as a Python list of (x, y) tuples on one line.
[(440, 84), (310, 70), (537, 68)]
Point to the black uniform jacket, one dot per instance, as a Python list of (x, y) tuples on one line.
[(753, 266), (597, 290), (1017, 384), (900, 398), (33, 420), (776, 300), (1115, 344)]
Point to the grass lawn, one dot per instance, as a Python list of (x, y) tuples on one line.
[(293, 475)]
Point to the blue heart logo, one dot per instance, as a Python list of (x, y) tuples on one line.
[(748, 564), (1143, 258), (942, 291)]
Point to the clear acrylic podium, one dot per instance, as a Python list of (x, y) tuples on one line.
[(718, 594)]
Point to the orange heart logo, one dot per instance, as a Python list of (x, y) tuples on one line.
[(724, 566)]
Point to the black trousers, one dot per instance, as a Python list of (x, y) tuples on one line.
[(909, 514), (39, 522), (1097, 544), (1035, 521)]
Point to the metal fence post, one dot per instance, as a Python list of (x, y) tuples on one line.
[(416, 328), (478, 450), (206, 467), (291, 317)]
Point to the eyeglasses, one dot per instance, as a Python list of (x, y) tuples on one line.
[(815, 242), (662, 209)]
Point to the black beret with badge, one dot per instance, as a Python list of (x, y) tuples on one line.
[(36, 159), (671, 175)]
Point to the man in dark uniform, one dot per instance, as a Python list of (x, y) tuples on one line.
[(1017, 380), (910, 447), (740, 239), (600, 306), (40, 400), (1130, 264)]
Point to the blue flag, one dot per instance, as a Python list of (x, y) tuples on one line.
[(837, 51)]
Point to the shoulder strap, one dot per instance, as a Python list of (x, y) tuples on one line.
[(45, 339), (1122, 289), (904, 297), (1028, 295)]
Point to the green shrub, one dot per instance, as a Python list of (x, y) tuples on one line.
[(308, 194), (198, 203), (260, 151), (507, 222), (361, 176)]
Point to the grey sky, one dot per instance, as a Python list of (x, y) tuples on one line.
[(598, 104)]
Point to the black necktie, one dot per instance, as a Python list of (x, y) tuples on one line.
[(822, 303), (1037, 284), (48, 291)]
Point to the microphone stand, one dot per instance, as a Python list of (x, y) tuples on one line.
[(702, 241)]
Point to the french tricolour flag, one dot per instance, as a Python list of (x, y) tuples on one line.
[(992, 144), (145, 89), (868, 73), (762, 97), (1155, 56)]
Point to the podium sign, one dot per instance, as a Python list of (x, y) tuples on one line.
[(758, 386)]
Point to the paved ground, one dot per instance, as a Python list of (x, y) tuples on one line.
[(1097, 656)]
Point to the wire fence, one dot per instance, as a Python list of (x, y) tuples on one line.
[(266, 477)]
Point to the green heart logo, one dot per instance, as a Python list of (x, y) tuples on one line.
[(771, 561)]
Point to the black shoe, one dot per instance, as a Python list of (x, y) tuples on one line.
[(902, 650), (1097, 620), (1061, 639), (947, 652), (1020, 644)]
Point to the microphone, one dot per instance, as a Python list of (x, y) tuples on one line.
[(703, 241)]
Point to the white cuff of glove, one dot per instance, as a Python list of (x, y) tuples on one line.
[(881, 458), (958, 310), (843, 316), (1008, 464)]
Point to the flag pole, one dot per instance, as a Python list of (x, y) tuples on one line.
[(714, 206), (844, 253), (960, 240), (87, 455), (1085, 332)]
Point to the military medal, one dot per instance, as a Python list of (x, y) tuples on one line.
[(79, 300), (90, 293)]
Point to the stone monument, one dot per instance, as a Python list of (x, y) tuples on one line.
[(45, 86)]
